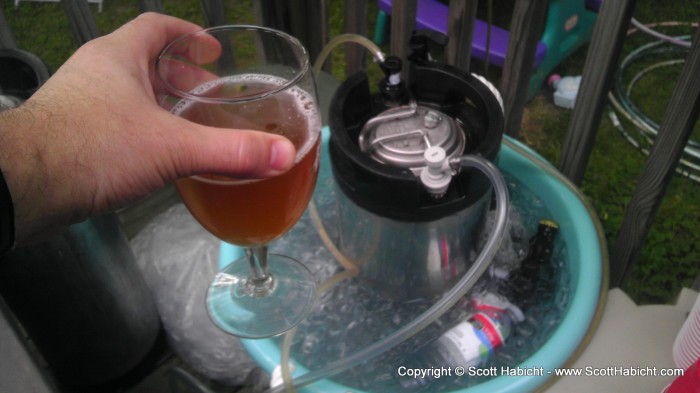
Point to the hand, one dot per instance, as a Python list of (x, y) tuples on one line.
[(93, 138)]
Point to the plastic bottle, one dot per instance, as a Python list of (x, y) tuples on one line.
[(565, 90), (470, 343)]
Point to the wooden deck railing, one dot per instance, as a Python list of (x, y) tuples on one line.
[(308, 20)]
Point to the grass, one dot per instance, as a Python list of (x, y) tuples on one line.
[(670, 258)]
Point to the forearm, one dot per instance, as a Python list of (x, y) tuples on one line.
[(27, 166)]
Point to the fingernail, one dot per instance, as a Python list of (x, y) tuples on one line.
[(282, 155)]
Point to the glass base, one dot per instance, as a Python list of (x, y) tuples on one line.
[(249, 309)]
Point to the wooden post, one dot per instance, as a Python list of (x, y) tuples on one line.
[(309, 23), (403, 23), (214, 12), (306, 20), (7, 39), (460, 30), (355, 22), (674, 132), (525, 31), (150, 6), (269, 13), (601, 62), (80, 20)]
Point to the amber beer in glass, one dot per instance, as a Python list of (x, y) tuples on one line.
[(249, 78), (270, 206)]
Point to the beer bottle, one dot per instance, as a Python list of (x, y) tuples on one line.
[(529, 275)]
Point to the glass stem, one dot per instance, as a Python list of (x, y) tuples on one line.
[(260, 282)]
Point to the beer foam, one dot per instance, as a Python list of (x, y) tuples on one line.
[(303, 101)]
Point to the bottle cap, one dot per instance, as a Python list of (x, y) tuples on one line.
[(549, 223)]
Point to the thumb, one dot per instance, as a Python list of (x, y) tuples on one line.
[(243, 154)]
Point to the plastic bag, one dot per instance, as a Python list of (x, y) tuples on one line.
[(514, 246), (179, 259)]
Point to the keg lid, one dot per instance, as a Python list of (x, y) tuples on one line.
[(400, 136)]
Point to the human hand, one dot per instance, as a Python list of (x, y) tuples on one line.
[(93, 138)]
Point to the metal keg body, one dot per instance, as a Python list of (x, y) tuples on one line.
[(411, 241)]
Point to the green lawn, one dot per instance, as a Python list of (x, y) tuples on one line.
[(671, 256)]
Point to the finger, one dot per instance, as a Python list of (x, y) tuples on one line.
[(243, 154), (198, 48), (183, 76)]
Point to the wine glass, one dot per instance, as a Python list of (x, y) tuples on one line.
[(256, 78)]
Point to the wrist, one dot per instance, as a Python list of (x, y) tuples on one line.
[(24, 172)]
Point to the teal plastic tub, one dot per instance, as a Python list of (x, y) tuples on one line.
[(579, 229)]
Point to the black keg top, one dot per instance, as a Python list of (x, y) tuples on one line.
[(396, 192)]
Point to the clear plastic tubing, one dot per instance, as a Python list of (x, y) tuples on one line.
[(447, 301), (345, 38), (648, 30)]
